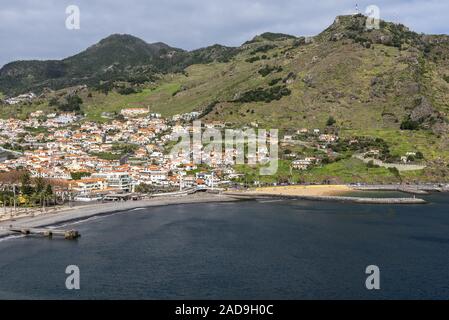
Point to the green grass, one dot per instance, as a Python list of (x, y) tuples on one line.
[(344, 171), (114, 102), (349, 171), (107, 156), (252, 173), (401, 142)]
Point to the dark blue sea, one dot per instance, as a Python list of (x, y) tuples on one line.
[(242, 250)]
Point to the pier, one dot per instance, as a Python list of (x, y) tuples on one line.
[(46, 232)]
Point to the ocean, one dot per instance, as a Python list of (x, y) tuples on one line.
[(241, 250)]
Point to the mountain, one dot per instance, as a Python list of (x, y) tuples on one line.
[(117, 57), (391, 83)]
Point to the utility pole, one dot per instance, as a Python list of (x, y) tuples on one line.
[(14, 190)]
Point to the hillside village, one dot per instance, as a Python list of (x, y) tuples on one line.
[(351, 106), (130, 154)]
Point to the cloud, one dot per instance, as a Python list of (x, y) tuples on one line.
[(36, 29)]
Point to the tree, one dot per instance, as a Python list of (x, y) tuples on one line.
[(25, 184), (53, 102), (39, 185), (73, 103), (371, 164), (330, 121), (396, 173), (79, 175), (409, 124), (48, 190)]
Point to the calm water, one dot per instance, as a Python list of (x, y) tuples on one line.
[(245, 250)]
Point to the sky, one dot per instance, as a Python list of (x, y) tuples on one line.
[(31, 29)]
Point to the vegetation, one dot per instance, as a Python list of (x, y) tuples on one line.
[(409, 124), (73, 104), (127, 90), (25, 191), (266, 70), (330, 121), (264, 48), (107, 155), (79, 174), (253, 59), (12, 147), (372, 92), (267, 95)]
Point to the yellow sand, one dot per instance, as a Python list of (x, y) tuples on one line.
[(314, 190)]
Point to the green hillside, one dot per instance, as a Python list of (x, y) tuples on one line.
[(390, 83)]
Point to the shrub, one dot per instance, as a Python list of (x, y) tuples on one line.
[(330, 121), (409, 124), (267, 95), (253, 59), (78, 175), (263, 48), (127, 90), (274, 82), (266, 70), (73, 104), (371, 164)]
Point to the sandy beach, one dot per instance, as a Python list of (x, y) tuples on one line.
[(312, 190), (86, 211)]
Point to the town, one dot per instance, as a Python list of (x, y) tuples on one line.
[(129, 154)]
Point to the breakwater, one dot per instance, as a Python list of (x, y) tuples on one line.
[(413, 189), (249, 195)]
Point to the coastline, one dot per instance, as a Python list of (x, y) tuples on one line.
[(73, 214), (335, 193)]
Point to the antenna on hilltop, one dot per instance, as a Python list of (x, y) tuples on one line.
[(357, 11)]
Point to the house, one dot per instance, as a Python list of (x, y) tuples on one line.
[(158, 176), (373, 152), (134, 112), (116, 180), (21, 98), (304, 164), (329, 138), (65, 118), (36, 114), (88, 185)]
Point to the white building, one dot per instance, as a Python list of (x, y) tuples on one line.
[(116, 180)]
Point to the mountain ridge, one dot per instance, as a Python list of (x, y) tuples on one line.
[(112, 58), (123, 56)]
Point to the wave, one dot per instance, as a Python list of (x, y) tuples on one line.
[(12, 237)]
